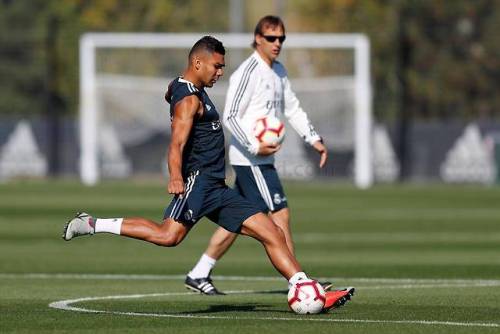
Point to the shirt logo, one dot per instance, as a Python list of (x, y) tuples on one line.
[(216, 125), (208, 107), (273, 104), (312, 132)]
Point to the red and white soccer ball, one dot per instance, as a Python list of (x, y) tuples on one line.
[(269, 129), (306, 297)]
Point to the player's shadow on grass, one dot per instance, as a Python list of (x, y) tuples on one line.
[(273, 292), (248, 307), (222, 308)]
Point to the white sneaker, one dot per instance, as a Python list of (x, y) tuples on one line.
[(82, 224)]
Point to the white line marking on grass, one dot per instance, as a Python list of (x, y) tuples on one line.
[(395, 282), (91, 276), (398, 237), (66, 305), (428, 286)]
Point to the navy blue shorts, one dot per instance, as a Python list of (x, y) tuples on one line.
[(261, 185), (211, 197)]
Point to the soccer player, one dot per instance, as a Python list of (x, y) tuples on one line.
[(197, 176), (259, 87)]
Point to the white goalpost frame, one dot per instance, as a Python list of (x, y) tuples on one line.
[(90, 42)]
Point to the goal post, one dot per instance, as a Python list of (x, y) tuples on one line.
[(91, 111)]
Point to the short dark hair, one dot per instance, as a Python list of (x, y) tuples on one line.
[(267, 21), (209, 44)]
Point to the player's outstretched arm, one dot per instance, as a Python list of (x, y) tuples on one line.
[(184, 113)]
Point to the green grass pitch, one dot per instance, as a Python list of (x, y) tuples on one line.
[(424, 259)]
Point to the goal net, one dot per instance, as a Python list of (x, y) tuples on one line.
[(124, 119)]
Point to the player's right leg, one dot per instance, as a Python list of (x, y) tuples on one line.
[(261, 227), (262, 186), (168, 234), (240, 216)]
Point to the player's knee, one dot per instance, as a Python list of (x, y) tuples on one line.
[(281, 217), (283, 213), (170, 233), (168, 239), (262, 228), (280, 234), (275, 234)]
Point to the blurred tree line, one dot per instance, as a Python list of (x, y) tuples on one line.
[(438, 59)]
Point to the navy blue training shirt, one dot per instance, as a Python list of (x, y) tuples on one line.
[(204, 150)]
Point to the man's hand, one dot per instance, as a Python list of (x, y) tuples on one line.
[(318, 146), (268, 149), (176, 186)]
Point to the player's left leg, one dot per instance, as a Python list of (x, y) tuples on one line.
[(169, 233)]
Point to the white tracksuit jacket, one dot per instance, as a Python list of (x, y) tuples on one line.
[(256, 90)]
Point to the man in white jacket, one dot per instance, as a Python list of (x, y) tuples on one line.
[(259, 87)]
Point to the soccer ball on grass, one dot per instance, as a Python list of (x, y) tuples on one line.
[(269, 129), (306, 297)]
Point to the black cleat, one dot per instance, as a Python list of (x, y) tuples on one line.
[(202, 285)]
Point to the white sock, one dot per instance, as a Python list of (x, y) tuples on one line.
[(299, 276), (109, 225), (203, 267)]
